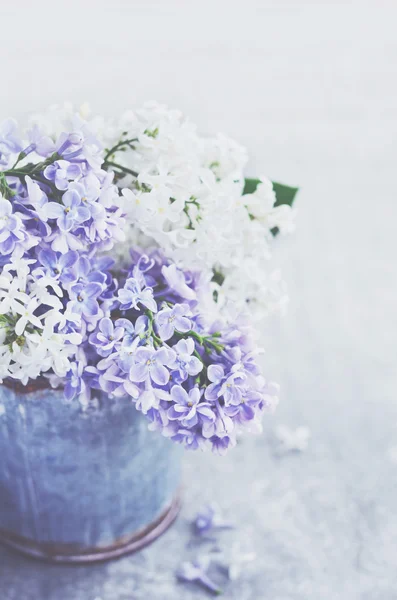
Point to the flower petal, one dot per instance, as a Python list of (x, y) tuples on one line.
[(194, 366), (215, 373), (138, 372), (91, 307), (179, 395), (54, 210), (106, 327), (159, 374)]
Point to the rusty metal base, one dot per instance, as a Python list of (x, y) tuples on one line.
[(70, 554)]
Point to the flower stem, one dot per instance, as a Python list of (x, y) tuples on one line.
[(151, 333), (22, 174), (119, 146), (21, 156), (5, 189), (203, 341), (33, 170), (210, 585), (109, 163)]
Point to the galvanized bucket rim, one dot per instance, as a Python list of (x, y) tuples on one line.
[(34, 385)]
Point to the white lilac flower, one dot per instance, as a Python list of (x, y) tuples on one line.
[(261, 204), (184, 193), (27, 316), (131, 295)]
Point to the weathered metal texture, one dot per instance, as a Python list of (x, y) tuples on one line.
[(82, 486)]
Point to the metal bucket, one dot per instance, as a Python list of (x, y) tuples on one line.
[(82, 486)]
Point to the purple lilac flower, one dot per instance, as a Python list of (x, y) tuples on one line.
[(91, 381), (222, 426), (69, 144), (170, 319), (196, 572), (151, 364), (132, 294), (37, 198), (58, 265), (187, 407), (133, 336), (61, 172), (220, 445), (9, 142), (158, 420), (105, 226), (80, 145), (246, 410), (112, 382), (209, 518), (131, 389), (126, 356), (249, 363), (89, 212), (11, 228), (185, 363), (206, 389), (74, 385), (189, 438), (106, 337), (80, 381), (84, 299), (144, 264), (42, 144), (149, 400), (176, 279), (88, 188), (84, 272), (35, 226), (227, 386), (70, 213)]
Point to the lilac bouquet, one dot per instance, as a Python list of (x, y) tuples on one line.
[(146, 327)]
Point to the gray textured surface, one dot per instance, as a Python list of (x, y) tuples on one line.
[(320, 110)]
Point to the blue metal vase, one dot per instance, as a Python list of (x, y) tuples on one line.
[(82, 486)]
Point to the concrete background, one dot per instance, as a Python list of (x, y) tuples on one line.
[(310, 88)]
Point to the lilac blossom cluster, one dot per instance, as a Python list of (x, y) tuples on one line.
[(58, 210), (197, 381), (68, 314)]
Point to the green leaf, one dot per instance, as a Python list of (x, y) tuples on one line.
[(284, 193), (250, 185), (218, 277)]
